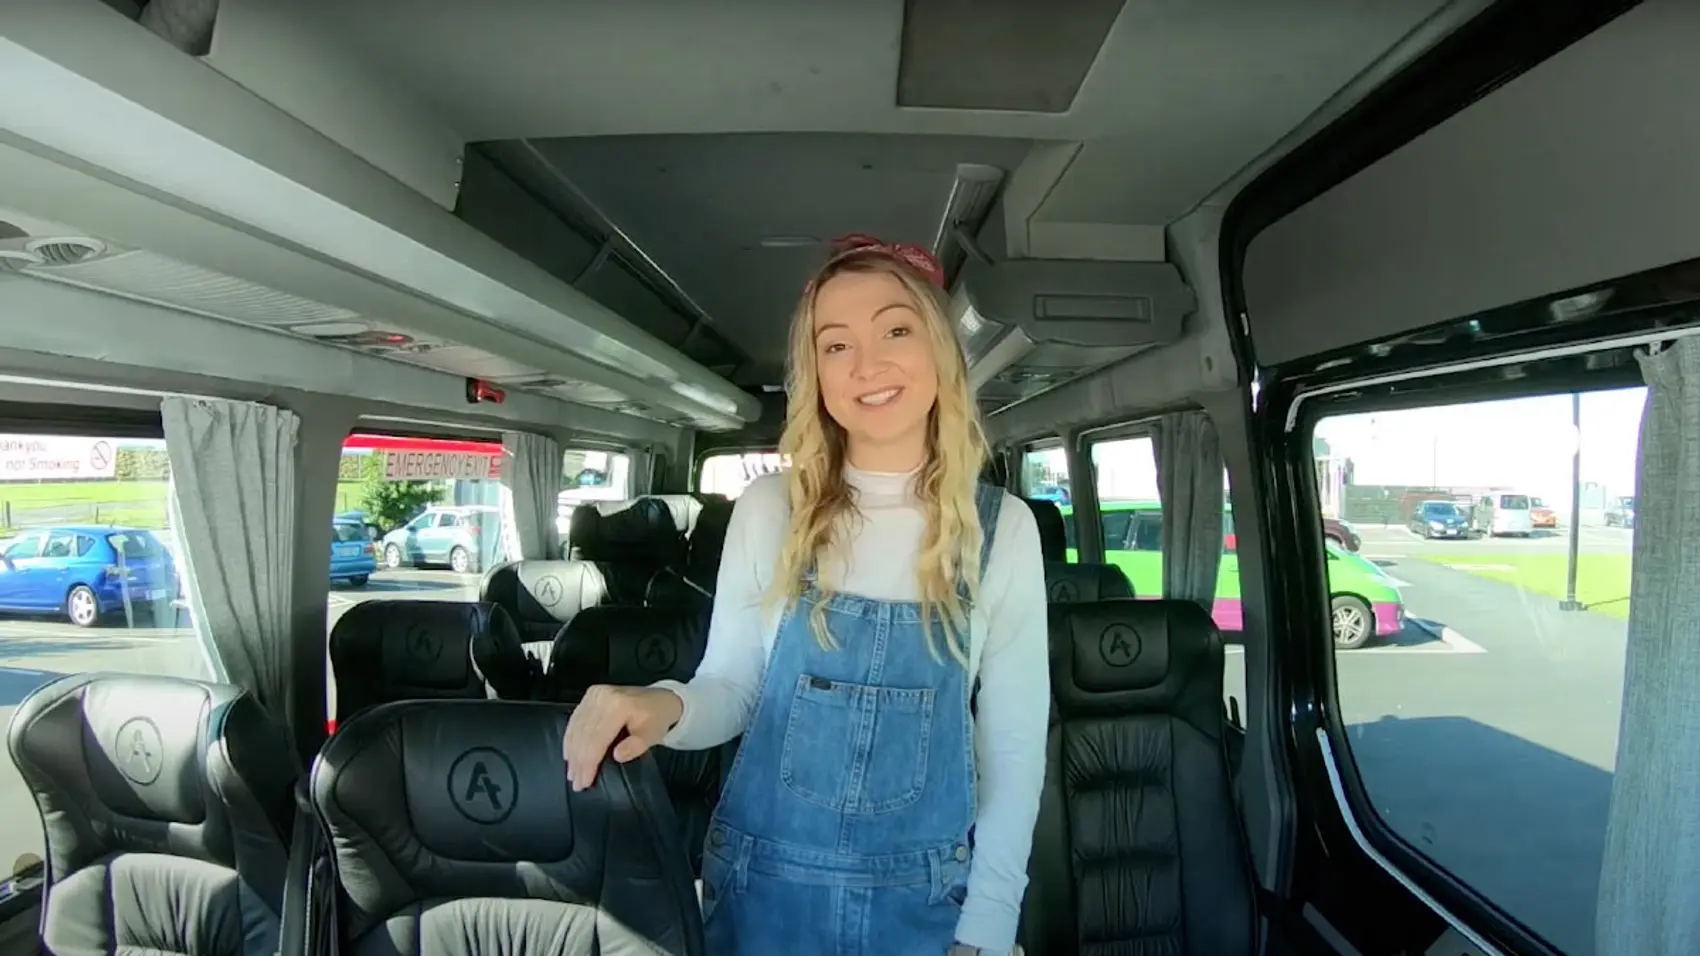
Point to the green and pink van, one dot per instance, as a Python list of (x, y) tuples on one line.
[(1366, 604)]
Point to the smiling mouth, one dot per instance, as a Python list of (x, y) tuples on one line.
[(879, 398)]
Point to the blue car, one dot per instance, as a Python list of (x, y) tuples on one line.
[(353, 556), (86, 572)]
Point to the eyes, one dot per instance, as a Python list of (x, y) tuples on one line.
[(902, 330)]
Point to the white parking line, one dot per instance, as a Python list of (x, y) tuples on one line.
[(1381, 557), (1399, 583), (1459, 643)]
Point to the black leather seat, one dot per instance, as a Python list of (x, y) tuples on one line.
[(629, 542), (634, 647), (1053, 528), (456, 833), (542, 596), (1138, 843), (694, 581), (167, 809), (384, 651), (1067, 583), (1075, 583)]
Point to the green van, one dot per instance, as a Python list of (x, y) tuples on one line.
[(1366, 602)]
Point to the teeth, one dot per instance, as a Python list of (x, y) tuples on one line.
[(879, 398)]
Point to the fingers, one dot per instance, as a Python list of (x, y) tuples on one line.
[(590, 731), (629, 749)]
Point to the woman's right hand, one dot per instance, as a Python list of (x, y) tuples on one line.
[(645, 714)]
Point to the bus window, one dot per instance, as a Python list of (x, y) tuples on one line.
[(729, 473), (1481, 697), (589, 474), (91, 579), (415, 519), (1044, 477)]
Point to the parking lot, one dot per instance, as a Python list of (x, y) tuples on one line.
[(1487, 731)]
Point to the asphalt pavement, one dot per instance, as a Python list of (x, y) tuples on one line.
[(1486, 733)]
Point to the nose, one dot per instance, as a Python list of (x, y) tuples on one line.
[(870, 360)]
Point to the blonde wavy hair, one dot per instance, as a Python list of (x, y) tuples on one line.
[(821, 499)]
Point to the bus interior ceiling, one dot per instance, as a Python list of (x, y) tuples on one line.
[(607, 209)]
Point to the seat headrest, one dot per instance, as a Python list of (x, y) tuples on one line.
[(427, 800), (683, 508), (556, 590), (1125, 657), (640, 530), (632, 646), (1053, 530), (142, 764), (399, 650), (1074, 583), (708, 541)]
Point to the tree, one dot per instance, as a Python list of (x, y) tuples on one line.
[(391, 504)]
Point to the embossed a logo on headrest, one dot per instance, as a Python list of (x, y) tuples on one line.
[(423, 644), (549, 590), (1064, 591), (656, 654), (1120, 645), (139, 750), (483, 786)]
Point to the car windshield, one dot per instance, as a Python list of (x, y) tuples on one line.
[(1514, 502), (1441, 509), (349, 531)]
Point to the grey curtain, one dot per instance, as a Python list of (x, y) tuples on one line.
[(1649, 902), (1189, 481), (531, 487), (233, 509)]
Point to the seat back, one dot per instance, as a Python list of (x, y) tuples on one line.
[(685, 510), (708, 540), (1053, 529), (634, 647), (454, 831), (542, 596), (1077, 583), (166, 806), (384, 651), (1138, 838)]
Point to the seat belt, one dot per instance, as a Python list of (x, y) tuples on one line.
[(297, 894)]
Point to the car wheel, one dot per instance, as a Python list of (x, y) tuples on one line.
[(82, 607), (1338, 541), (460, 560), (392, 557), (1352, 622), (359, 580)]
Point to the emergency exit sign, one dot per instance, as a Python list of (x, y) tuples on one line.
[(439, 465)]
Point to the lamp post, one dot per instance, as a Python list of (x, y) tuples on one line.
[(1570, 603)]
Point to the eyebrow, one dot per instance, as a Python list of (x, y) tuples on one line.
[(877, 313)]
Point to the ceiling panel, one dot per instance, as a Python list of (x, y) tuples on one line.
[(701, 206)]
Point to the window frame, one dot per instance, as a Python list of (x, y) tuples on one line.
[(1310, 663)]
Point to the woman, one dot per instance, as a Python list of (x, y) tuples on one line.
[(878, 640)]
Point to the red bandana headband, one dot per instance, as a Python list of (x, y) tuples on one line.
[(915, 257)]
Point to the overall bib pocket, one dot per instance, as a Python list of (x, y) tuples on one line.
[(857, 748)]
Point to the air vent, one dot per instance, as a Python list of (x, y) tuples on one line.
[(66, 251)]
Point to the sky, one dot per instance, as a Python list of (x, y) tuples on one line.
[(1522, 444)]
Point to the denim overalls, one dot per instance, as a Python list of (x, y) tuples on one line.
[(843, 829)]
